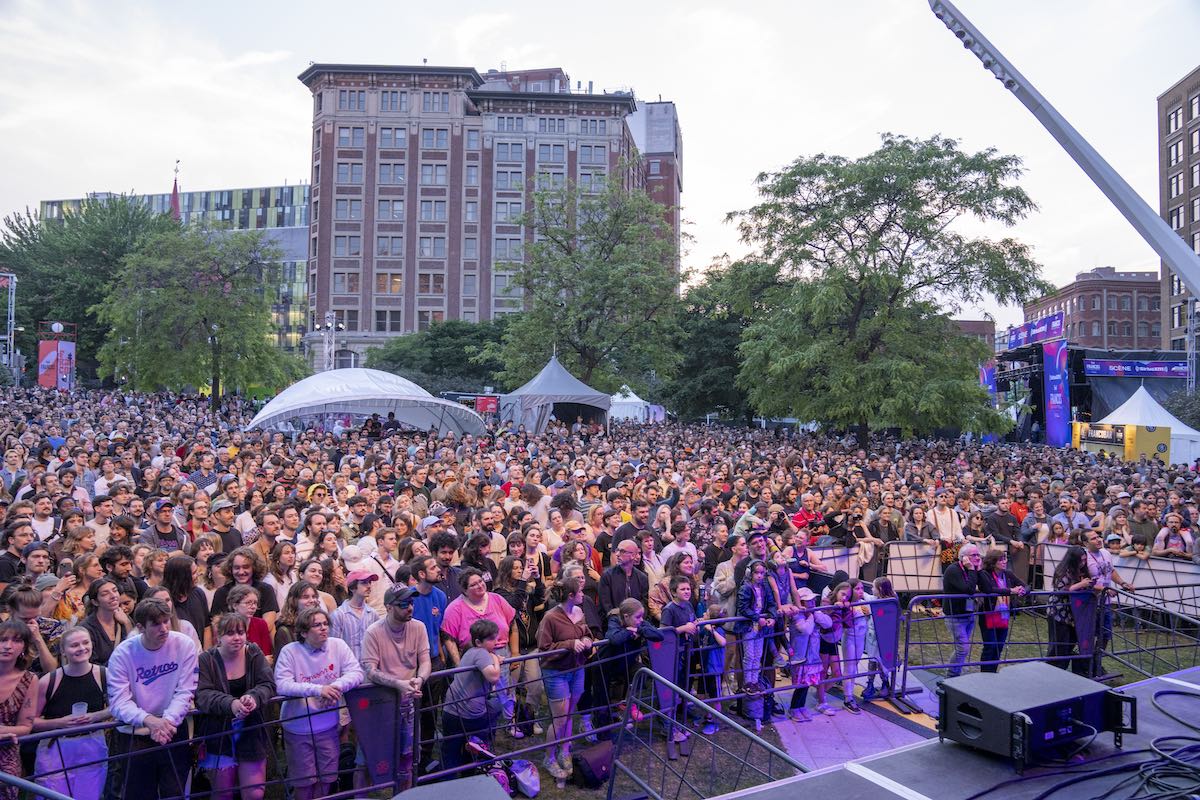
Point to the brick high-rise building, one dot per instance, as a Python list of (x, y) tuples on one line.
[(418, 174), (1107, 309), (1179, 193)]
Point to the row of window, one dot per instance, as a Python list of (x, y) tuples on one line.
[(507, 211), (393, 173), (1175, 115), (504, 248), (393, 283), (392, 100), (385, 322), (1144, 329)]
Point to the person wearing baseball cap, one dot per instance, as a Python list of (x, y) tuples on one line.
[(350, 620), (395, 653)]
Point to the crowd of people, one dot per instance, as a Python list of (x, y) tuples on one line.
[(167, 571)]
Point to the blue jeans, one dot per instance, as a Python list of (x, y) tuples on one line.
[(960, 632), (993, 645)]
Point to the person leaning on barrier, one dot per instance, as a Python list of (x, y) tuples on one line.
[(995, 578), (961, 578)]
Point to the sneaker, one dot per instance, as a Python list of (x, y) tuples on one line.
[(516, 732), (636, 714), (538, 730), (555, 770), (709, 728), (827, 709), (564, 761), (852, 707), (585, 726), (679, 735), (870, 693), (801, 715)]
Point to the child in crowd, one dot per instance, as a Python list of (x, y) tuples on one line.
[(830, 630), (882, 589), (756, 606), (712, 641), (628, 633), (854, 641), (680, 616), (805, 661), (472, 704)]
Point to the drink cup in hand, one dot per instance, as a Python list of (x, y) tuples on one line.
[(79, 709)]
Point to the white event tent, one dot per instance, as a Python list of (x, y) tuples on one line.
[(533, 403), (627, 405), (1142, 409), (363, 392)]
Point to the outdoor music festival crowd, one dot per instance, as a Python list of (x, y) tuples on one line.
[(157, 560)]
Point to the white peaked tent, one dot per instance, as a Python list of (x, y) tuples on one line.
[(1142, 409), (627, 405), (364, 392), (532, 404)]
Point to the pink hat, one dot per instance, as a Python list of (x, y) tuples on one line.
[(361, 575)]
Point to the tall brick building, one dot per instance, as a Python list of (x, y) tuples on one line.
[(419, 172), (1179, 192), (1107, 309)]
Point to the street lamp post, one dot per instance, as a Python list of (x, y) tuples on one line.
[(215, 343)]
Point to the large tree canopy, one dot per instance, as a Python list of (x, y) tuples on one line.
[(180, 288), (64, 266), (599, 283), (869, 258), (446, 357)]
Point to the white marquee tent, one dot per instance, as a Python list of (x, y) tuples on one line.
[(364, 392), (627, 405), (533, 403), (1142, 409)]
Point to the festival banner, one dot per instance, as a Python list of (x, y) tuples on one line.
[(1114, 368), (66, 365), (487, 404), (1050, 327), (47, 371), (1057, 393), (987, 379)]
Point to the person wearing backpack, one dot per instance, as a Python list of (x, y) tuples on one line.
[(74, 765)]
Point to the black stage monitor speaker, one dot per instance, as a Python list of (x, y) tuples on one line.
[(1026, 710), (476, 787)]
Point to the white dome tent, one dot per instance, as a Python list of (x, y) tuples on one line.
[(532, 404), (363, 392), (1142, 409), (628, 406)]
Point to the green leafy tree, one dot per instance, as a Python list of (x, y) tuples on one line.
[(599, 284), (870, 256), (64, 267), (1186, 407), (443, 358), (179, 290)]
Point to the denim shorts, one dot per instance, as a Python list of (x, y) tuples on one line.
[(561, 684)]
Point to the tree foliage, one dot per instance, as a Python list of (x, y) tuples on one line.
[(599, 284), (170, 293), (449, 356), (868, 259), (1185, 407), (64, 266)]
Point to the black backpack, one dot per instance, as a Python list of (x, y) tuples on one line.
[(593, 764)]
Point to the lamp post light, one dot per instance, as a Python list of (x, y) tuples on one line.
[(215, 343)]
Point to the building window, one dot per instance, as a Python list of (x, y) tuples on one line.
[(345, 359), (1143, 329), (508, 211), (593, 127), (1175, 185), (1195, 141), (552, 125), (1176, 285), (1143, 303), (1177, 315), (431, 283), (1196, 209), (1174, 119), (435, 101), (597, 154), (470, 284), (471, 211), (509, 179), (389, 283), (389, 246), (1127, 329), (390, 210), (470, 247), (352, 137), (1178, 344), (556, 153), (347, 245), (389, 322), (1126, 303), (347, 209), (391, 100), (471, 177), (317, 139), (592, 181), (432, 247), (393, 138), (1095, 302), (435, 138), (507, 249), (1196, 243), (391, 173), (510, 124), (1156, 329), (1175, 218), (345, 283), (349, 172), (352, 100), (1174, 153), (316, 174), (1095, 328), (433, 174), (510, 151), (425, 319), (1155, 303), (551, 179), (1112, 302), (1112, 329), (655, 166), (472, 139), (433, 210)]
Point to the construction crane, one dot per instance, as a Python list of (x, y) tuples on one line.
[(1171, 248)]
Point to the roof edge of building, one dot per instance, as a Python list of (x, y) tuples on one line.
[(316, 70)]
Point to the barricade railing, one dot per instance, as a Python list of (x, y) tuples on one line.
[(734, 759), (1144, 633), (111, 766)]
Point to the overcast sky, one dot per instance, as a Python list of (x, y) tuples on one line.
[(105, 96)]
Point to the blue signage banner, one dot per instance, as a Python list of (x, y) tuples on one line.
[(1112, 368), (1039, 330), (987, 379), (1057, 393)]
